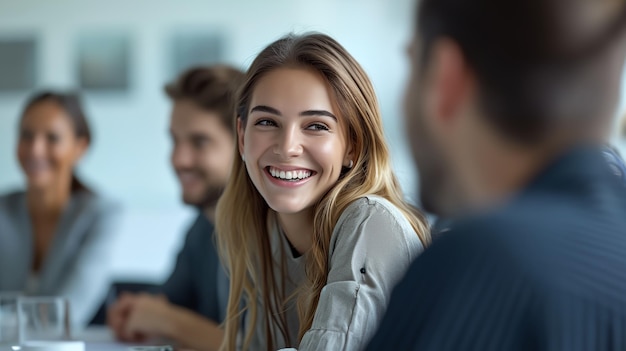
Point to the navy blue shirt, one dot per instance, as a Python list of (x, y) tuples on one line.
[(545, 272), (198, 281)]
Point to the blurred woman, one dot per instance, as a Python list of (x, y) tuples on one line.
[(55, 236), (312, 224)]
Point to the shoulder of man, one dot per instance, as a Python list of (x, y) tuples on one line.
[(10, 199)]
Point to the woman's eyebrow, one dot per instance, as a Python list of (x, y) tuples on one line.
[(267, 109), (307, 113), (318, 113)]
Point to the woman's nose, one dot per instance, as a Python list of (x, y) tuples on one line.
[(289, 142)]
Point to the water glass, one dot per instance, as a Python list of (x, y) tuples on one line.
[(44, 319), (9, 321)]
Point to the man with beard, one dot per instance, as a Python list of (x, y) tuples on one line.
[(193, 300), (508, 108)]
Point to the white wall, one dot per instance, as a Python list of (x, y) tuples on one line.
[(128, 160)]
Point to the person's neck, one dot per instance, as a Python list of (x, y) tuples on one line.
[(209, 212), (494, 168), (496, 173), (298, 229), (48, 201)]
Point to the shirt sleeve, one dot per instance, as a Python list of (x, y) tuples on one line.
[(179, 288), (370, 251), (89, 279)]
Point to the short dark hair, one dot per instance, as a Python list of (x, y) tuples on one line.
[(71, 104), (212, 88), (536, 68)]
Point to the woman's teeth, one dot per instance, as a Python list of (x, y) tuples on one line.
[(289, 175)]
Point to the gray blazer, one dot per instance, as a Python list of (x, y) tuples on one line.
[(76, 267)]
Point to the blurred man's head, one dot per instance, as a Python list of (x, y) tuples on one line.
[(533, 76), (202, 130)]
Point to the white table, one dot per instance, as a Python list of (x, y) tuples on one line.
[(100, 339)]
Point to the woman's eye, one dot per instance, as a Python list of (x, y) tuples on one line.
[(199, 143), (26, 136), (317, 126), (53, 138), (265, 123)]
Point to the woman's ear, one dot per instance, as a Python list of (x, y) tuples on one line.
[(349, 159), (240, 132)]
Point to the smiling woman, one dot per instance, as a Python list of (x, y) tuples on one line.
[(56, 235), (312, 225), (292, 130)]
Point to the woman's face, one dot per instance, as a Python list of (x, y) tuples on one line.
[(293, 142), (48, 148)]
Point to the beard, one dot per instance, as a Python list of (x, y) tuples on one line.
[(208, 199), (433, 175), (208, 196)]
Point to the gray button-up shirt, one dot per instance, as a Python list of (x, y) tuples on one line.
[(371, 247)]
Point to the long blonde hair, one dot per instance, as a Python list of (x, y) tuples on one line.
[(242, 213)]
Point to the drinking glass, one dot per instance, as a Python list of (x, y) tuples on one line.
[(43, 319), (9, 321)]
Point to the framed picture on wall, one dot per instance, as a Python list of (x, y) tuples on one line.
[(193, 48), (103, 62), (18, 63)]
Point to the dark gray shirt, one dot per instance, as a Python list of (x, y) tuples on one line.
[(544, 272), (198, 281)]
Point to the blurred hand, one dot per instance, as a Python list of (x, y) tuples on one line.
[(148, 317), (118, 313)]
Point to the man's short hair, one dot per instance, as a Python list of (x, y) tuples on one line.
[(212, 88), (540, 65)]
